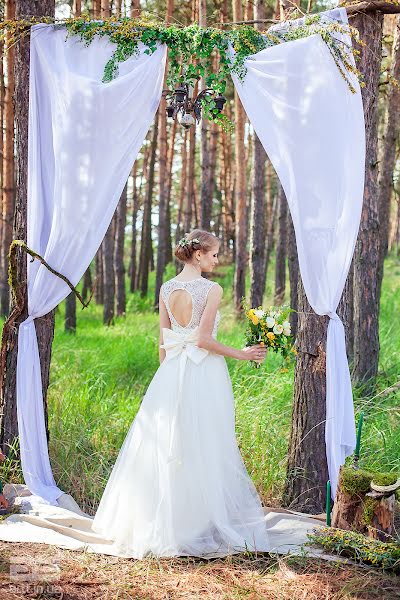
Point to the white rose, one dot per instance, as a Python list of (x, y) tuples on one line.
[(286, 325), (287, 331), (270, 321), (278, 329), (259, 313)]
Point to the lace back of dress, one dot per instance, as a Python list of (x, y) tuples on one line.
[(198, 289)]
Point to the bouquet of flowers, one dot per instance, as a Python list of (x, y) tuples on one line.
[(269, 328)]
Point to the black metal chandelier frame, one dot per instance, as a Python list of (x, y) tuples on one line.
[(181, 103)]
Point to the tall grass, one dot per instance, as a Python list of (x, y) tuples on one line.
[(99, 376)]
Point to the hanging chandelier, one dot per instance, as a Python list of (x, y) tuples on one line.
[(185, 108)]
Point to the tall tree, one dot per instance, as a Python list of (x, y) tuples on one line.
[(294, 272), (87, 285), (281, 247), (119, 245), (77, 8), (182, 194), (307, 470), (146, 243), (366, 256), (44, 325), (258, 203), (163, 234), (144, 175), (135, 9), (70, 313), (135, 208), (99, 276), (205, 159), (240, 191), (8, 203), (109, 273), (390, 140), (170, 160), (189, 206)]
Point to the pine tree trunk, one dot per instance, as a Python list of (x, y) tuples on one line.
[(105, 9), (146, 245), (2, 98), (135, 208), (294, 272), (190, 195), (162, 200), (239, 289), (366, 257), (212, 149), (8, 174), (228, 191), (99, 276), (109, 274), (257, 225), (307, 470), (119, 245), (87, 286), (135, 9), (280, 264), (182, 196), (205, 162), (272, 215), (77, 8), (97, 9), (44, 325), (169, 256), (70, 313), (388, 158), (346, 312), (163, 233)]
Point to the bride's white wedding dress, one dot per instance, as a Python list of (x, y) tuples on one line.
[(179, 486)]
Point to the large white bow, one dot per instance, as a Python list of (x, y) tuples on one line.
[(184, 345)]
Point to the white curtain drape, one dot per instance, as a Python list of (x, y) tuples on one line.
[(84, 136), (312, 128)]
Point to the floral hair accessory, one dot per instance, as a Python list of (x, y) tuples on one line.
[(185, 242)]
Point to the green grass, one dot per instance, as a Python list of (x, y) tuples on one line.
[(99, 376)]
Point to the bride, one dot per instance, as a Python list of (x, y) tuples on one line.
[(179, 486)]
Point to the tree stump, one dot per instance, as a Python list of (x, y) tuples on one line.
[(365, 502)]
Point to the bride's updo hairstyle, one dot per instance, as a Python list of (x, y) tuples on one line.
[(197, 239)]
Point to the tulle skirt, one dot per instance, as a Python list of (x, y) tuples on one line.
[(205, 504)]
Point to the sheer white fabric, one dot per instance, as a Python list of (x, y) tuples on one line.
[(84, 136), (312, 128), (199, 500)]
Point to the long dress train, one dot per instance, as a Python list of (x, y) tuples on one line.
[(179, 486)]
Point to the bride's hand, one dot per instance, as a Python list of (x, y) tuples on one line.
[(256, 352)]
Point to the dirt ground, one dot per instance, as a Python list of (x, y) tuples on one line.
[(41, 571)]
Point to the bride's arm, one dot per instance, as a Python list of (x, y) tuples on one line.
[(164, 322), (208, 342)]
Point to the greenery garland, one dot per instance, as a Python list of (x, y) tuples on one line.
[(194, 51)]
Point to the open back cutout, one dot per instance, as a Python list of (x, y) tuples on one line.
[(181, 306)]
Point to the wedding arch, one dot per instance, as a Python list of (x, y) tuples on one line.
[(84, 136)]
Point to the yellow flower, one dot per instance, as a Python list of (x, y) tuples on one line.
[(271, 336), (255, 320)]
